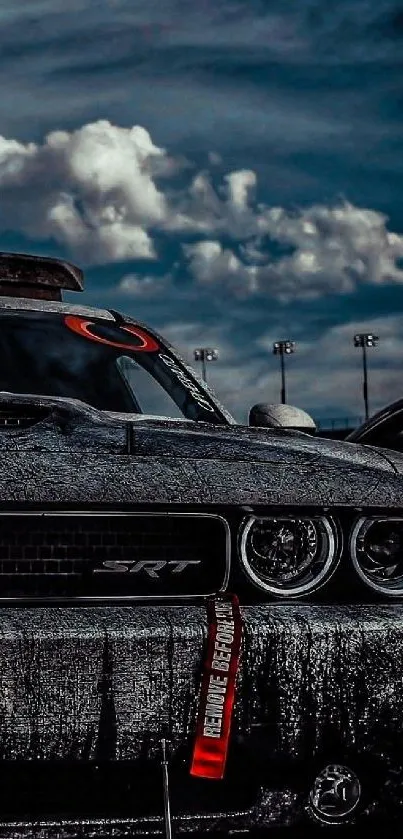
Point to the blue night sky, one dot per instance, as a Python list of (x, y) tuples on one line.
[(230, 172)]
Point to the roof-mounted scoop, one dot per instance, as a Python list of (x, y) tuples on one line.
[(37, 277)]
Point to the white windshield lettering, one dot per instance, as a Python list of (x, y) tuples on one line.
[(192, 387)]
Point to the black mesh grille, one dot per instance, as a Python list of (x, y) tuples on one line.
[(91, 555)]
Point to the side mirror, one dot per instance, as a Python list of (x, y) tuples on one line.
[(281, 416)]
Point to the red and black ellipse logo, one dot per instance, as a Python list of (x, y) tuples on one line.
[(84, 327)]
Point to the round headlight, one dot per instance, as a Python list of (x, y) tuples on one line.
[(377, 554), (289, 556)]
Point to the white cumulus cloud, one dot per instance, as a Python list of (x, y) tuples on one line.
[(91, 190), (104, 193), (328, 250), (142, 286)]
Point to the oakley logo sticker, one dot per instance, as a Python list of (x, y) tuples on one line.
[(85, 328)]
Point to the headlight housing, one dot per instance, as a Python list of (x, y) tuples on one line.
[(377, 553), (289, 556)]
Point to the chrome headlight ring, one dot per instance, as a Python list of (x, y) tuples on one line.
[(289, 555)]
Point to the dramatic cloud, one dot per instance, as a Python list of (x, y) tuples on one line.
[(91, 190), (325, 372), (331, 250), (140, 286), (107, 193)]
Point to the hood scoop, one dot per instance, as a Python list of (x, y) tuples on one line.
[(15, 417), (22, 411)]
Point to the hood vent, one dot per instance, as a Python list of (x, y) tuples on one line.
[(14, 417)]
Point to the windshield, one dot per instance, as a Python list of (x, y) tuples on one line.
[(112, 366)]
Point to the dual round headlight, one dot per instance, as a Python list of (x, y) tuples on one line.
[(289, 556)]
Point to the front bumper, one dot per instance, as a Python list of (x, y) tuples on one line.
[(94, 689)]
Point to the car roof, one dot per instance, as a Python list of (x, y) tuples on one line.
[(21, 304)]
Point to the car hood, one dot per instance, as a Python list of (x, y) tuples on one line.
[(84, 458), (394, 458)]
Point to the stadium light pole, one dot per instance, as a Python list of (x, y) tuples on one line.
[(205, 354), (283, 348), (364, 340)]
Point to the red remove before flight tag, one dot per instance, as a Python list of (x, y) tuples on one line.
[(218, 687)]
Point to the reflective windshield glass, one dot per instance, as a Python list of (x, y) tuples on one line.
[(150, 396), (113, 367)]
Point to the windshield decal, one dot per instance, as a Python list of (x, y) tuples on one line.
[(84, 327), (187, 382)]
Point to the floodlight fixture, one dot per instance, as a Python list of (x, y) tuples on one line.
[(364, 340), (204, 355), (283, 348)]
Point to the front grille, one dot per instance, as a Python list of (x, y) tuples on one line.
[(112, 555)]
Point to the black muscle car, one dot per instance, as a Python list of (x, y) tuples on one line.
[(201, 623)]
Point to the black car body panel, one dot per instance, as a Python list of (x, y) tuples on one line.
[(117, 527), (175, 463), (103, 685), (385, 428)]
